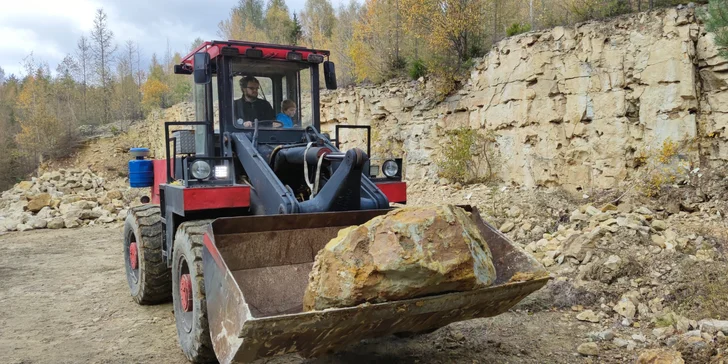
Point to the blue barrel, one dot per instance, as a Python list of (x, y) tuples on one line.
[(141, 171)]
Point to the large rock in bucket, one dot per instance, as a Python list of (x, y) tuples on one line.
[(409, 252)]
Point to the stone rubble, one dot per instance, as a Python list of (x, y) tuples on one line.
[(65, 198), (621, 283)]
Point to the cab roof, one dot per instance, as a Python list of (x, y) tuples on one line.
[(256, 50)]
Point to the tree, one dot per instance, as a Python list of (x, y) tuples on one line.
[(342, 41), (715, 17), (196, 43), (2, 76), (40, 131), (83, 60), (318, 20), (155, 89), (65, 91), (14, 165), (245, 22), (127, 100), (154, 93), (252, 12), (296, 31), (373, 49), (445, 24), (278, 23), (103, 50), (180, 86)]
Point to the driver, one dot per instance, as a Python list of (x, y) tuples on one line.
[(250, 107)]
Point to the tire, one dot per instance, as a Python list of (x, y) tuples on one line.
[(150, 282), (190, 308)]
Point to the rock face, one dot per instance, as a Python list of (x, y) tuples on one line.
[(410, 252), (571, 106)]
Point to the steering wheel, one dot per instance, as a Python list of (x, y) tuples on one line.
[(261, 123)]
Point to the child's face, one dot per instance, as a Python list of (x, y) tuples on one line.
[(290, 111)]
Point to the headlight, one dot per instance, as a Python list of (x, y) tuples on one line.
[(200, 169), (390, 168), (221, 172)]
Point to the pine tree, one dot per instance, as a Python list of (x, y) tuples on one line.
[(296, 30), (716, 21)]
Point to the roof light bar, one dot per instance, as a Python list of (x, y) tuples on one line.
[(294, 56), (253, 53), (315, 58)]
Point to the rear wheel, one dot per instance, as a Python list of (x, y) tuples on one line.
[(188, 292), (149, 278)]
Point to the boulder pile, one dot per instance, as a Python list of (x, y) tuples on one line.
[(65, 198), (409, 252)]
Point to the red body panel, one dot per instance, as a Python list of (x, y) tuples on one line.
[(395, 191), (210, 198), (160, 176)]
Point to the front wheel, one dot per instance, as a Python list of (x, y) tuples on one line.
[(188, 292), (146, 271)]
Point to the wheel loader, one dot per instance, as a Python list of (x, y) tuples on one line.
[(240, 206)]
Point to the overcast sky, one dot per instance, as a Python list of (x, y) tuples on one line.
[(50, 29)]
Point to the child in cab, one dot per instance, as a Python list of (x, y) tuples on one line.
[(288, 111)]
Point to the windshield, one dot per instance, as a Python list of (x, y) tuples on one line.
[(273, 93)]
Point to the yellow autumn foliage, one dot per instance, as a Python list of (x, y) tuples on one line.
[(153, 92), (41, 133), (446, 25)]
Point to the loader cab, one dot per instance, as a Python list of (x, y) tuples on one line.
[(282, 73)]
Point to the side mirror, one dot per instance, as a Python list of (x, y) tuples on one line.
[(201, 69), (330, 75)]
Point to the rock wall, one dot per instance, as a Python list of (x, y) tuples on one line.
[(571, 106)]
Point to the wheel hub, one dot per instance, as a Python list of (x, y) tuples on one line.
[(133, 260), (185, 292)]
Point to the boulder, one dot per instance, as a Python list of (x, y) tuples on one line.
[(24, 185), (660, 356), (39, 201), (409, 252), (56, 223), (114, 195), (588, 349), (37, 223)]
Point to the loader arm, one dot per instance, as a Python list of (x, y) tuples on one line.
[(268, 195), (348, 189)]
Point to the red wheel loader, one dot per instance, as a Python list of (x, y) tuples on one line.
[(242, 203)]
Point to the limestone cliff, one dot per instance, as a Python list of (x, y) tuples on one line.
[(570, 106)]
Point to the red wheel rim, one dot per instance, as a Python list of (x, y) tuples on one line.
[(185, 292), (133, 255)]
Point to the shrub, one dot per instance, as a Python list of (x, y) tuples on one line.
[(417, 69), (664, 168), (469, 156), (518, 28)]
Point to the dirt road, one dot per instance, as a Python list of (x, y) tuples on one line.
[(65, 299)]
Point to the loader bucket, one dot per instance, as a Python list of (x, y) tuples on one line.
[(256, 271)]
